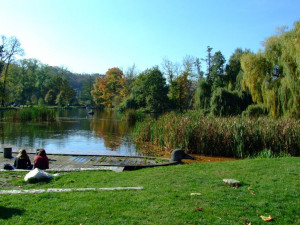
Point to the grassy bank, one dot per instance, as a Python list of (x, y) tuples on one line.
[(269, 187), (232, 136), (29, 114)]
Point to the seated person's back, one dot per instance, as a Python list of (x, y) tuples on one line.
[(41, 160), (22, 160)]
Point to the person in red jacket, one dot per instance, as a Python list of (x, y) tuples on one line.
[(41, 160)]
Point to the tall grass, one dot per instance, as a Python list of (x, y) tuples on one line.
[(30, 114), (238, 137)]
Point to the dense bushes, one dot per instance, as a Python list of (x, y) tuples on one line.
[(255, 111), (233, 137)]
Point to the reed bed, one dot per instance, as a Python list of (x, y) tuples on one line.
[(238, 137), (37, 114)]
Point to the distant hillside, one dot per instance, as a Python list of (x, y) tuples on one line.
[(77, 80)]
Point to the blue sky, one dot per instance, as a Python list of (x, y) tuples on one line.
[(91, 36)]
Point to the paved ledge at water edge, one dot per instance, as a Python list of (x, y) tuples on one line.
[(74, 162)]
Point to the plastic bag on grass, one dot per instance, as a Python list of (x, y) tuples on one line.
[(37, 175)]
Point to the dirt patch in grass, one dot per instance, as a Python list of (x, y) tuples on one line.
[(201, 159)]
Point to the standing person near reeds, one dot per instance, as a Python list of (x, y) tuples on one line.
[(22, 160), (41, 160)]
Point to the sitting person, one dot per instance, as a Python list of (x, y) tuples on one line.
[(41, 160), (22, 160)]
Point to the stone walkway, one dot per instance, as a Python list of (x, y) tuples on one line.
[(38, 191)]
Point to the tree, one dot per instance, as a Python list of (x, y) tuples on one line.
[(110, 91), (234, 70), (179, 92), (273, 75), (216, 76), (200, 73), (10, 47), (208, 61), (1, 58), (59, 89), (130, 75), (150, 91), (23, 82), (86, 93), (225, 103), (50, 97), (255, 69), (170, 70), (281, 91), (202, 95), (61, 99), (188, 63)]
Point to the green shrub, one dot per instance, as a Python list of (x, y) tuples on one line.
[(129, 103), (132, 115), (267, 153), (255, 111)]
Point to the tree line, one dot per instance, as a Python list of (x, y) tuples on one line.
[(262, 83), (29, 82)]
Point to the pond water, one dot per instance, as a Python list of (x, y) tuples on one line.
[(75, 132)]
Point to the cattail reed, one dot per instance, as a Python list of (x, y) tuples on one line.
[(238, 137)]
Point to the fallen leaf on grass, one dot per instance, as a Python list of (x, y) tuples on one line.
[(198, 208), (252, 192), (267, 218), (250, 188), (196, 194)]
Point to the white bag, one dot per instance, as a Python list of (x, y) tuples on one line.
[(38, 175)]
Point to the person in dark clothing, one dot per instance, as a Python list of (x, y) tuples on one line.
[(41, 160), (22, 160)]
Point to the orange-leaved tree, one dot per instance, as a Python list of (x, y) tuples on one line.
[(110, 90)]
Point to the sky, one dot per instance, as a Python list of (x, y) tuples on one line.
[(91, 36)]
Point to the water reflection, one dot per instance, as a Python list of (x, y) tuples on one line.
[(108, 127), (75, 132)]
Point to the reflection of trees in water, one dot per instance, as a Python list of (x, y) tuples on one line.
[(110, 129), (105, 125), (20, 134)]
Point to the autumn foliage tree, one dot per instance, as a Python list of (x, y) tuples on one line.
[(110, 90)]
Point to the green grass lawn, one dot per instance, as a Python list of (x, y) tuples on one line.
[(269, 187)]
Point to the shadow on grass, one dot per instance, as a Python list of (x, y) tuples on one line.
[(6, 213), (41, 181)]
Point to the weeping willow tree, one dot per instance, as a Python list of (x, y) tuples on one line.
[(273, 75)]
